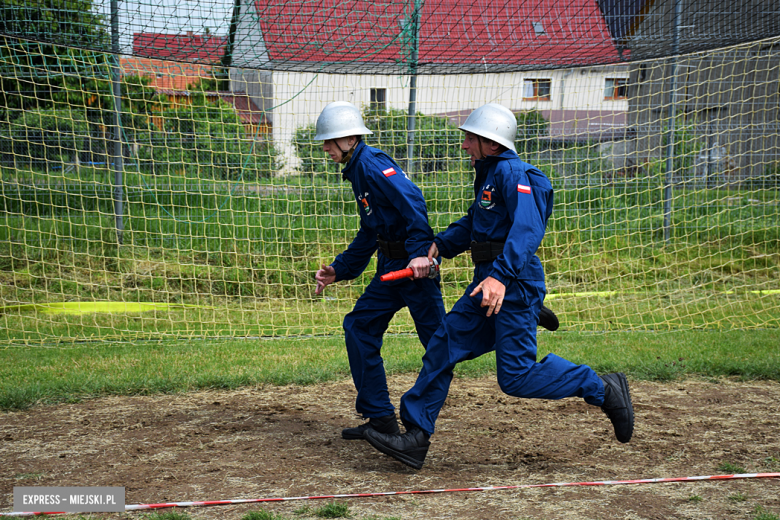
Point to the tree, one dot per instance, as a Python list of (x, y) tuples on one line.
[(141, 105), (79, 133), (207, 140), (52, 58), (49, 55), (219, 81)]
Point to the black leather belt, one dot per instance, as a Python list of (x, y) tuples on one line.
[(393, 250), (486, 251)]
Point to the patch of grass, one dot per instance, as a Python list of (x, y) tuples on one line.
[(763, 514), (695, 498), (772, 463), (729, 468), (657, 356), (33, 375), (303, 511), (26, 476), (333, 510), (737, 497)]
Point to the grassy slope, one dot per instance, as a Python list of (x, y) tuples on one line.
[(30, 375), (248, 252)]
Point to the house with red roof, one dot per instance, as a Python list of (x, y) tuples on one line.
[(448, 36), (175, 62), (293, 57)]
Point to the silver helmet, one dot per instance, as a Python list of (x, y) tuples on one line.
[(494, 122), (340, 119)]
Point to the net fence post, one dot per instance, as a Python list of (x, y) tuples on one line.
[(117, 148), (669, 177), (411, 117)]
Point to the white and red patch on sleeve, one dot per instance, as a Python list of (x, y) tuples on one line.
[(522, 188), (389, 172)]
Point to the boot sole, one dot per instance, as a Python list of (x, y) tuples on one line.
[(397, 455), (627, 396)]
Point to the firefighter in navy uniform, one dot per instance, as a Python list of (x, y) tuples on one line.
[(499, 311), (394, 222)]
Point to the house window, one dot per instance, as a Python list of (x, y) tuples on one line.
[(616, 88), (537, 89), (378, 99)]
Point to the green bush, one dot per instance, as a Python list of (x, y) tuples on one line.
[(48, 135), (687, 148), (531, 128), (436, 142), (313, 158), (769, 181), (206, 140)]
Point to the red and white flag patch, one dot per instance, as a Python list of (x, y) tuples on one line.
[(522, 188), (389, 172)]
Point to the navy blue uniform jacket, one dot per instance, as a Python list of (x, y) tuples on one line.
[(513, 201), (391, 206)]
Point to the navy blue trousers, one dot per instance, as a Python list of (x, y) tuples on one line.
[(466, 333), (367, 323)]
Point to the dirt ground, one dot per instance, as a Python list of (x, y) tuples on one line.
[(285, 442)]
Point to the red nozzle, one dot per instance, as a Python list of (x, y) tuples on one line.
[(397, 275)]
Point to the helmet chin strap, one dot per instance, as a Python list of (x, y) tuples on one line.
[(481, 151), (346, 155)]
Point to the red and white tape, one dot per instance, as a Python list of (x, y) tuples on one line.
[(138, 507)]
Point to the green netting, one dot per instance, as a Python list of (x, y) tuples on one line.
[(158, 177)]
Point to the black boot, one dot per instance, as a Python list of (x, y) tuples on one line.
[(548, 319), (387, 424), (409, 448), (617, 405)]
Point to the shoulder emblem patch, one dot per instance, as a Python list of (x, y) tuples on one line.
[(522, 188), (486, 200), (364, 202), (389, 172)]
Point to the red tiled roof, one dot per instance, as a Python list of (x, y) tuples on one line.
[(452, 32), (201, 48)]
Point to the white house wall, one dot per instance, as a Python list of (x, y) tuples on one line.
[(298, 98)]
